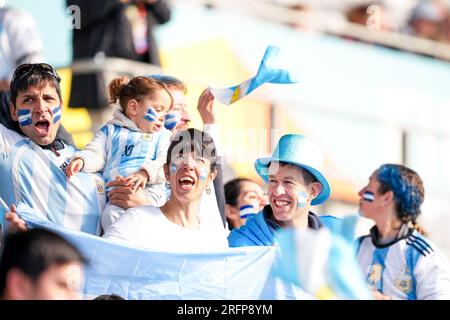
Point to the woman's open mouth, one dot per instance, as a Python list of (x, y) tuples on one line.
[(186, 183)]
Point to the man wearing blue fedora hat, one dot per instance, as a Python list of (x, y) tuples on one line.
[(295, 183)]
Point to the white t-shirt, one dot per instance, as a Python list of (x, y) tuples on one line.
[(20, 41), (148, 227)]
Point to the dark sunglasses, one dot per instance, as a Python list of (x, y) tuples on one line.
[(27, 68)]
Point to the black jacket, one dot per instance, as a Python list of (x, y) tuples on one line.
[(105, 28)]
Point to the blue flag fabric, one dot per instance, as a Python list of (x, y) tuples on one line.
[(235, 273), (229, 274), (268, 72), (322, 262)]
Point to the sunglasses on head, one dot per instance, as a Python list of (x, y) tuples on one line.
[(27, 68)]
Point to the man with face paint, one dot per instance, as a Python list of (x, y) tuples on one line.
[(295, 183), (33, 164)]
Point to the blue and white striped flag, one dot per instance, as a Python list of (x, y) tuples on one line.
[(269, 71), (322, 262)]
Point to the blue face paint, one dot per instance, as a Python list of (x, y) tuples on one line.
[(57, 112), (173, 168), (171, 120), (203, 173), (302, 199), (25, 117), (151, 115), (246, 211), (368, 196)]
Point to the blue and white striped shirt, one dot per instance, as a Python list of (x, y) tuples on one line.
[(118, 150), (411, 268), (34, 178)]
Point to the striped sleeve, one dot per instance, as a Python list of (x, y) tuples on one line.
[(431, 272), (94, 155), (8, 138)]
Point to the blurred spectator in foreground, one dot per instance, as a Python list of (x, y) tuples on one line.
[(112, 28), (109, 297), (243, 197), (20, 42), (429, 20), (371, 15), (40, 265)]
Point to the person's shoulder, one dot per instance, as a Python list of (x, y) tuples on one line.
[(15, 16), (237, 237), (421, 244), (252, 233), (10, 136)]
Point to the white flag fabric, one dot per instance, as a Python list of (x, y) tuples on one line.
[(268, 71)]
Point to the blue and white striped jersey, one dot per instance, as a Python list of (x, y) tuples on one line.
[(117, 150), (35, 178), (411, 268)]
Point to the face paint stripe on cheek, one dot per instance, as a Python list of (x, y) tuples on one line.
[(246, 211), (368, 196), (302, 199), (25, 117), (151, 115), (57, 112), (203, 173), (173, 168), (171, 120)]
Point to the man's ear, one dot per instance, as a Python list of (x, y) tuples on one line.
[(18, 285), (316, 188), (13, 112)]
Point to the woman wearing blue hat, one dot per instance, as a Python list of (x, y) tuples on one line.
[(397, 259), (295, 183)]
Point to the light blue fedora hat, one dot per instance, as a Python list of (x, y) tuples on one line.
[(301, 151)]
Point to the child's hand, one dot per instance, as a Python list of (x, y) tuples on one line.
[(136, 180), (74, 167)]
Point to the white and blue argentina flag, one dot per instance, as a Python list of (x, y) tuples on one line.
[(228, 274), (269, 71), (323, 262), (140, 274), (34, 178)]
